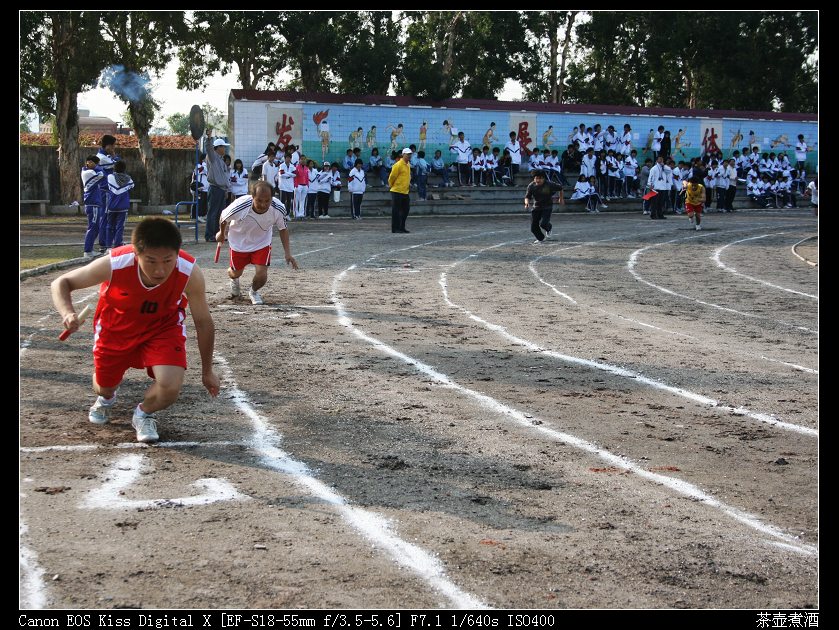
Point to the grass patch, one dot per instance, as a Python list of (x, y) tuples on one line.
[(31, 257)]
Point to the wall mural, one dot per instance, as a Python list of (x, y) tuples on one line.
[(326, 131)]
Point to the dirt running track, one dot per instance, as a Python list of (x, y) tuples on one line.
[(626, 416)]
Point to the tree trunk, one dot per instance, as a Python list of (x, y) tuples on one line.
[(572, 16), (67, 121), (448, 62), (553, 25), (141, 117), (66, 107)]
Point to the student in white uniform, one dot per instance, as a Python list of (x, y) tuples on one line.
[(249, 223), (357, 185), (285, 177)]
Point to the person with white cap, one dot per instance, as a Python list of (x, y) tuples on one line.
[(217, 176), (400, 185)]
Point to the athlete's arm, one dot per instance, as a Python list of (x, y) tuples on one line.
[(205, 330), (97, 272), (287, 248)]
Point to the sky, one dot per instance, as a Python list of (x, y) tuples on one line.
[(103, 102)]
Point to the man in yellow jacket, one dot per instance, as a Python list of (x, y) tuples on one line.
[(400, 185)]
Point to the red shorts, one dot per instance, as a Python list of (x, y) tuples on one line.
[(693, 208), (166, 348), (240, 260)]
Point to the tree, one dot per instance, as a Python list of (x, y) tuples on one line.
[(552, 32), (179, 124), (459, 52), (142, 41), (215, 119), (217, 41), (310, 46), (61, 55), (370, 58)]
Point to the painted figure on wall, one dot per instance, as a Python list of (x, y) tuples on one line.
[(489, 135), (354, 139), (371, 137), (736, 139), (395, 132), (782, 140), (320, 120), (423, 133), (678, 145), (548, 137)]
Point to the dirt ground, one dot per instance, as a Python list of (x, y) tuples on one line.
[(623, 417)]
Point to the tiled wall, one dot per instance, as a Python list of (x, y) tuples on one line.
[(255, 123)]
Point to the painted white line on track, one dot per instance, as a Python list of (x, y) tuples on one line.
[(33, 590), (797, 255), (533, 270), (716, 258), (526, 420), (127, 469), (125, 445), (615, 369), (374, 527), (633, 260), (26, 343)]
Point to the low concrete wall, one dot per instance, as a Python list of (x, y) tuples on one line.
[(39, 177)]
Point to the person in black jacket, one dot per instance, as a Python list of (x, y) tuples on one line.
[(541, 192)]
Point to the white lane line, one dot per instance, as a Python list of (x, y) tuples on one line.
[(614, 369), (33, 590), (374, 527), (553, 253), (526, 420), (716, 258), (26, 343), (797, 255), (126, 471), (633, 260), (125, 445)]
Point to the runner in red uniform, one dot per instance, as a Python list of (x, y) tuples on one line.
[(139, 320)]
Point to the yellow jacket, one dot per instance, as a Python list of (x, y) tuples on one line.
[(400, 177), (695, 195)]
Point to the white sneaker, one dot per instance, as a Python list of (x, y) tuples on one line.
[(89, 255), (326, 216), (548, 234), (235, 290), (538, 242), (698, 228), (603, 205), (146, 426), (255, 297), (201, 219), (100, 410)]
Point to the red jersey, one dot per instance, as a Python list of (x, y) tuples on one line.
[(129, 313)]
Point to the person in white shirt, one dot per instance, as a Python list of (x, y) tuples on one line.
[(597, 139), (594, 198), (587, 166), (626, 140), (613, 172), (533, 160), (800, 155), (357, 184), (476, 164), (581, 189), (677, 185), (731, 191), (721, 183), (514, 147), (312, 192), (582, 139), (658, 136), (630, 173), (285, 178), (270, 169), (661, 181), (610, 139), (249, 224), (323, 186), (238, 179), (462, 150), (813, 193)]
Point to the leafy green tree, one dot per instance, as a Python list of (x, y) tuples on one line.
[(468, 53), (142, 41), (310, 46), (244, 42), (543, 69), (61, 54), (178, 124), (370, 52)]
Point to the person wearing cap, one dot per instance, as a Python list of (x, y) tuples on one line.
[(400, 184), (217, 177)]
